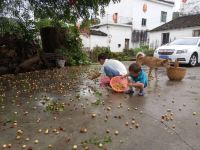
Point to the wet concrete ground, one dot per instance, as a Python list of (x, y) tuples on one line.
[(92, 118)]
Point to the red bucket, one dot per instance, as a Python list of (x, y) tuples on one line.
[(119, 84)]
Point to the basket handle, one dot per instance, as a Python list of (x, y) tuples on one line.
[(176, 64)]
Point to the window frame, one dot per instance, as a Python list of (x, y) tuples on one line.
[(163, 17), (144, 22)]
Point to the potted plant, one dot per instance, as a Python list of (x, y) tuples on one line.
[(60, 61)]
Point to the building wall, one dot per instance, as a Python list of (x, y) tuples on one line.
[(190, 7), (116, 35), (134, 9), (92, 41), (156, 37)]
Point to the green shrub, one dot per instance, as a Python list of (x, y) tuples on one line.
[(126, 55), (129, 52), (73, 48), (149, 52), (98, 50)]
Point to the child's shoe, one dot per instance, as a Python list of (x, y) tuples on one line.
[(141, 93), (130, 91)]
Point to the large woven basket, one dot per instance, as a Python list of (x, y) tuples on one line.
[(176, 73)]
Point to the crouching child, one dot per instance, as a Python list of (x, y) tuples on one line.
[(137, 79)]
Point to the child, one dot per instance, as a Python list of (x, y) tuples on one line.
[(137, 78), (110, 67)]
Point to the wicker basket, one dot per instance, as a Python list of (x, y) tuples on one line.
[(176, 73)]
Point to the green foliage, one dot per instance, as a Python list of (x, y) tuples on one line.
[(121, 56), (54, 106), (149, 52), (98, 50), (126, 55), (87, 23), (73, 48), (46, 22), (96, 141), (17, 27), (9, 26), (66, 10)]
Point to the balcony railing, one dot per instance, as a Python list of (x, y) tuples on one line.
[(116, 19)]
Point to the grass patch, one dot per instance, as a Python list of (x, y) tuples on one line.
[(54, 106), (96, 141)]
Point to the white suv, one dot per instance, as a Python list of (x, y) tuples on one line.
[(185, 50)]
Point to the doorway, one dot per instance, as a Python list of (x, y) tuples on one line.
[(126, 43), (165, 38)]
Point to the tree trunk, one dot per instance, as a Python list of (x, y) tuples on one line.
[(52, 38)]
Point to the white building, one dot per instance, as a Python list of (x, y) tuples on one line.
[(185, 26), (126, 23), (90, 40), (189, 7)]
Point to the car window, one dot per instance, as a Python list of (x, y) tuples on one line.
[(185, 41)]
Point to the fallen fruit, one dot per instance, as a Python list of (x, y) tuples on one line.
[(38, 120), (126, 123), (83, 130), (133, 122), (107, 131), (75, 147), (46, 131), (87, 148), (27, 139), (24, 146), (137, 125), (108, 108), (194, 113), (93, 115), (15, 124), (9, 145), (49, 146), (4, 146), (173, 126), (116, 132), (169, 110), (18, 137), (100, 145), (54, 130), (20, 132), (36, 141)]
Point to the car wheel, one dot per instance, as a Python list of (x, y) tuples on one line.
[(193, 60)]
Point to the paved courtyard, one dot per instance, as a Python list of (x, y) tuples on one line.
[(61, 109)]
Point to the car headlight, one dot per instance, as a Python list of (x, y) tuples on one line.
[(156, 51), (181, 51)]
